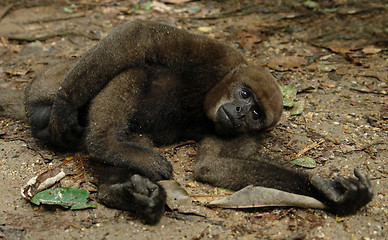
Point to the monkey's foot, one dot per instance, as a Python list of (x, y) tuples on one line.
[(345, 194), (139, 195)]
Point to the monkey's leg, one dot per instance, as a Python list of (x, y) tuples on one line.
[(342, 195), (237, 173), (119, 188), (108, 138)]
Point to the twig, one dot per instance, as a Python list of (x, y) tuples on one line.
[(77, 15), (369, 92), (248, 10), (190, 142), (285, 129), (76, 226), (48, 36), (309, 147), (5, 11), (225, 194)]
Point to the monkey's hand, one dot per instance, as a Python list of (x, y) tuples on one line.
[(345, 195), (140, 195), (63, 127)]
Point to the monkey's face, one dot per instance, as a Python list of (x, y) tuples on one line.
[(247, 100), (243, 113)]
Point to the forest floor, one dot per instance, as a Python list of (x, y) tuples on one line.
[(333, 52)]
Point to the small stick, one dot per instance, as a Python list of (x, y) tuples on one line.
[(369, 92), (309, 147), (76, 226), (5, 11), (211, 195)]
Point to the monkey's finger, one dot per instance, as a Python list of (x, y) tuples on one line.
[(140, 184), (347, 183), (363, 179)]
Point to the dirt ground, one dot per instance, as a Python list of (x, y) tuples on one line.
[(334, 52)]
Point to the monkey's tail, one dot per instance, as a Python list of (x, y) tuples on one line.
[(11, 104)]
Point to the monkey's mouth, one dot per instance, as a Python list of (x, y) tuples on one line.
[(225, 118)]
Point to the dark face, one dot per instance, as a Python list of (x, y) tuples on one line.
[(243, 114)]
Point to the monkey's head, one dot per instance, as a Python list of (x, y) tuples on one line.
[(247, 100)]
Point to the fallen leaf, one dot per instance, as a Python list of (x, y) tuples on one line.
[(17, 71), (160, 7), (252, 197), (249, 37), (297, 108), (341, 71), (284, 63), (306, 162), (311, 4), (72, 198), (371, 50), (205, 29), (342, 50), (327, 67), (178, 199), (72, 172), (289, 95), (331, 10)]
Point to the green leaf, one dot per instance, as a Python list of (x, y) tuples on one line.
[(66, 197), (289, 95), (147, 5), (297, 108), (306, 162), (311, 4), (331, 10)]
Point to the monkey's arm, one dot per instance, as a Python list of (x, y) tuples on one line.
[(135, 45), (342, 195)]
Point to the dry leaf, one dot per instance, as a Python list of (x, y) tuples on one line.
[(342, 50), (205, 29), (371, 50), (17, 71), (251, 197), (284, 63), (178, 199), (70, 173)]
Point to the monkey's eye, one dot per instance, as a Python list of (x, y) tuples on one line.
[(244, 94), (255, 115)]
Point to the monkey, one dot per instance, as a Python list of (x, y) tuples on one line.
[(148, 84)]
